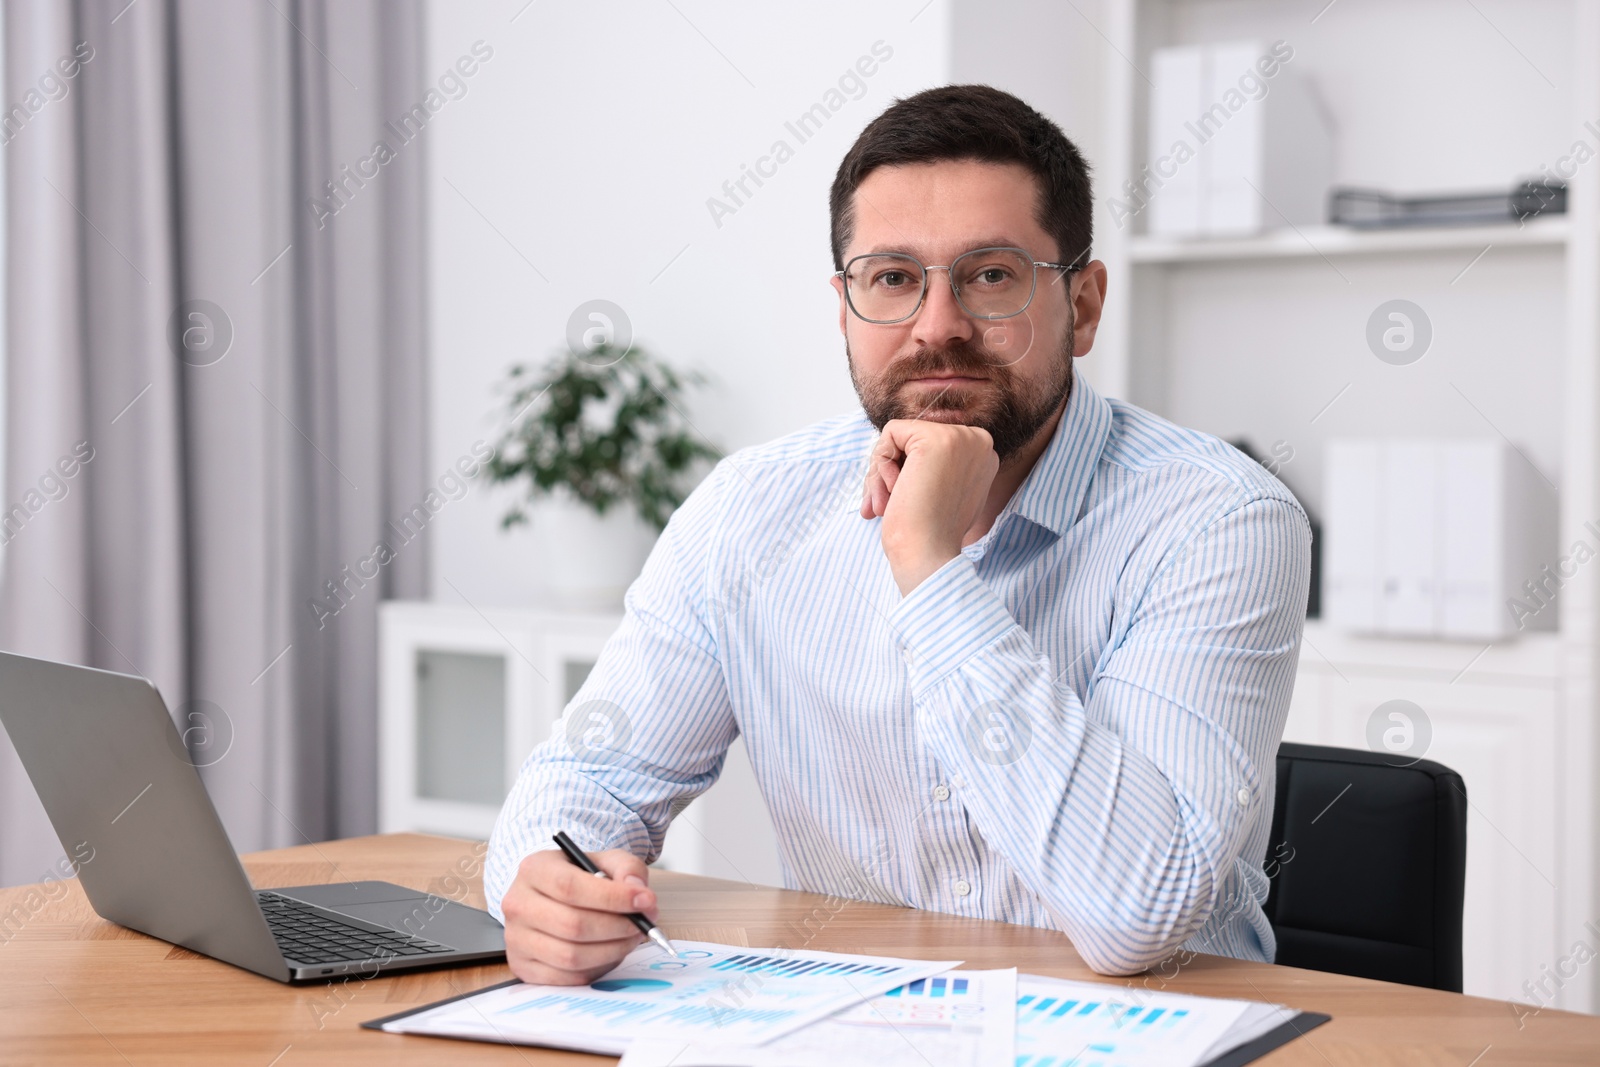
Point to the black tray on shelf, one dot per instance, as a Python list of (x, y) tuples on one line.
[(1373, 209)]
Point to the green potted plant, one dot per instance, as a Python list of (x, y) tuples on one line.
[(599, 441)]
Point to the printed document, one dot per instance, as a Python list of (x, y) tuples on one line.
[(715, 994)]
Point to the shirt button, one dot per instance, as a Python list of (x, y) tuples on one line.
[(941, 792), (962, 888), (1243, 797)]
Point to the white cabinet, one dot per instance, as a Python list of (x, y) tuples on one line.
[(1494, 721), (464, 695)]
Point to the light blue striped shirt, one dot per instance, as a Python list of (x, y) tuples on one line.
[(1071, 725)]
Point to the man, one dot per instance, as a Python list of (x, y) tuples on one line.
[(1001, 647)]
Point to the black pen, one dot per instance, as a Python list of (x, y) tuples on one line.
[(580, 859)]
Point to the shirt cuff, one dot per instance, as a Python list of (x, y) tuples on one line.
[(945, 621)]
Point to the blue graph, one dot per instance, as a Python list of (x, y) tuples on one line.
[(782, 968), (1030, 1008), (702, 1015), (1098, 1033), (930, 987), (609, 1010)]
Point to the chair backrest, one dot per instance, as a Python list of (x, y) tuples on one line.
[(1368, 862)]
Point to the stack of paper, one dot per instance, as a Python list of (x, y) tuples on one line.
[(709, 992), (721, 1006), (961, 1019)]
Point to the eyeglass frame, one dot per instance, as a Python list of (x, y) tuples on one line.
[(955, 290)]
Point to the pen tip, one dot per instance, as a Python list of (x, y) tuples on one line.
[(666, 946)]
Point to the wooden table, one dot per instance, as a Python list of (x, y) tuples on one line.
[(75, 989)]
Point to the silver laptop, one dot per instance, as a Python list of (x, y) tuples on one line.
[(151, 853)]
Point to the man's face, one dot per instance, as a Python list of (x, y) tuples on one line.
[(1009, 376)]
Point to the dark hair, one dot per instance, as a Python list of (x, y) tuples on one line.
[(972, 122)]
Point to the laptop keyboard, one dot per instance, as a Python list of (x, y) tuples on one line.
[(307, 935)]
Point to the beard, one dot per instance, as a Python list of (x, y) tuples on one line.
[(1011, 409)]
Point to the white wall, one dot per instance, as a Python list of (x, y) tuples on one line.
[(1049, 54), (584, 151)]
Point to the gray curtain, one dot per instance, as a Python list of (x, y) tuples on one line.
[(215, 381)]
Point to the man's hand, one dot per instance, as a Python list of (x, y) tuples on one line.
[(928, 481), (565, 927)]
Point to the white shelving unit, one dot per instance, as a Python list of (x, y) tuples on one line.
[(1263, 336)]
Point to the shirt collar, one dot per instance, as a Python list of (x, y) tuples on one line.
[(1054, 490)]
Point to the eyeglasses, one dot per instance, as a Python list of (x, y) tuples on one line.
[(989, 283)]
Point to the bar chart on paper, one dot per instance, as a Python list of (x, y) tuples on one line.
[(780, 967), (709, 992), (953, 1019), (957, 1019), (1079, 1024)]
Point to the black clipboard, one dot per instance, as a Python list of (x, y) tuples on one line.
[(1251, 1051), (378, 1024), (1248, 1052)]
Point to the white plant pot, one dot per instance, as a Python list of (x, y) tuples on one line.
[(586, 561)]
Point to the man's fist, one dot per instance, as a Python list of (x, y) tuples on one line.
[(565, 927), (929, 482)]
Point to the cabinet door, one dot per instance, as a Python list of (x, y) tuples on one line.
[(450, 686), (1501, 740), (460, 713)]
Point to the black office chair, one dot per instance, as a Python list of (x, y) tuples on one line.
[(1368, 860)]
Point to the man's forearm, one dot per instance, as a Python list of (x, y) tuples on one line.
[(551, 795), (1127, 865), (1091, 825), (1125, 817)]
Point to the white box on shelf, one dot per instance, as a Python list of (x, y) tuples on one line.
[(1407, 539), (1238, 141), (1437, 538), (1350, 560), (1178, 74), (1232, 159)]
